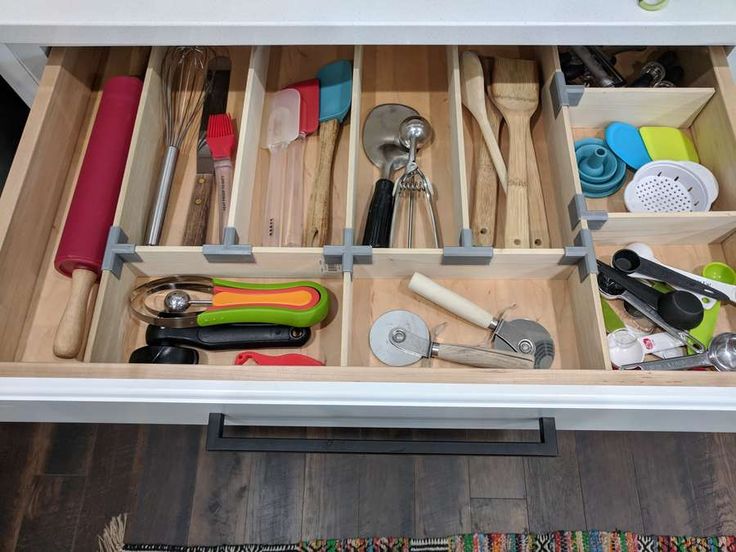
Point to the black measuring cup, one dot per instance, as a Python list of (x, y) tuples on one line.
[(680, 309)]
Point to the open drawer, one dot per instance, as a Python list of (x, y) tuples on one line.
[(548, 284)]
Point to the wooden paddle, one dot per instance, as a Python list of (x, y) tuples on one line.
[(515, 89), (538, 231), (485, 204)]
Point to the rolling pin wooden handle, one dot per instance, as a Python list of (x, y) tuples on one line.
[(451, 301), (517, 204), (538, 230), (195, 232), (482, 358), (318, 221), (484, 201), (70, 333)]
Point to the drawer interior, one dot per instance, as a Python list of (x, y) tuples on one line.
[(287, 65), (534, 283), (703, 110), (418, 78), (691, 258)]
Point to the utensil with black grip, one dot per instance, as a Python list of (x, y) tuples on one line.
[(228, 337)]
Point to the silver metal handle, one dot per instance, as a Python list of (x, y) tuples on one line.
[(678, 363), (433, 218), (651, 313), (158, 212)]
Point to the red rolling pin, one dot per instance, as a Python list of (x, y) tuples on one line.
[(92, 210)]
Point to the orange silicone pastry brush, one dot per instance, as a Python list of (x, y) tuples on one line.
[(221, 141)]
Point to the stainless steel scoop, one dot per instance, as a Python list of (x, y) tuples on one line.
[(381, 137), (382, 145)]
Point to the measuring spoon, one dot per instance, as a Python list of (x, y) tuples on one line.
[(721, 355), (644, 251), (631, 263), (671, 307), (625, 347)]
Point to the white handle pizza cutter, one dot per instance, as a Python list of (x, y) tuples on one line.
[(401, 338), (519, 335)]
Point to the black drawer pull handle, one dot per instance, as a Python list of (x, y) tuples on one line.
[(545, 446)]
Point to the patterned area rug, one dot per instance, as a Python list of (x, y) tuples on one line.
[(561, 541)]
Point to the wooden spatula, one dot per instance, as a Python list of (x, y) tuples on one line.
[(485, 192), (538, 231), (515, 91)]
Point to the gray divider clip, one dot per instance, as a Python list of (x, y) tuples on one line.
[(229, 251), (563, 93), (118, 251), (348, 253), (465, 253), (578, 210), (582, 254)]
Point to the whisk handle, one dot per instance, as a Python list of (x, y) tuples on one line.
[(158, 212)]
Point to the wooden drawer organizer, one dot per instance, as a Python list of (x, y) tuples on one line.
[(544, 284)]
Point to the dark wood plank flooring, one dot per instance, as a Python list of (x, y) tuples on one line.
[(60, 484)]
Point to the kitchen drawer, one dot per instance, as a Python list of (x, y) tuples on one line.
[(580, 390), (706, 110)]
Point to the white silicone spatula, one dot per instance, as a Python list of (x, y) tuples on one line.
[(280, 129)]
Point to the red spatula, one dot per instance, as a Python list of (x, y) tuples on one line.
[(293, 234)]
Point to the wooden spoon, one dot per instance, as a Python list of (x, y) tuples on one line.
[(472, 88), (515, 91)]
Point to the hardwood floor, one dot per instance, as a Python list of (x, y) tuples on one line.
[(59, 484)]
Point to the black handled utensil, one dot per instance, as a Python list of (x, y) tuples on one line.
[(678, 308), (631, 263), (382, 146), (230, 336)]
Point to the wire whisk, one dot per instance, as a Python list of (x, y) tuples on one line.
[(185, 82)]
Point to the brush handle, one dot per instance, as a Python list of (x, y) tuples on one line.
[(224, 180), (481, 358), (318, 220), (517, 204), (70, 333), (293, 215), (538, 231), (273, 222), (195, 231)]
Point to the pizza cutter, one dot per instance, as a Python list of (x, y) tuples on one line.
[(191, 301), (401, 338), (519, 335)]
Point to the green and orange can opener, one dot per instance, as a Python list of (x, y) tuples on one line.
[(188, 301)]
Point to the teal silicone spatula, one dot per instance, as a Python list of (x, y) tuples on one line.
[(335, 89)]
